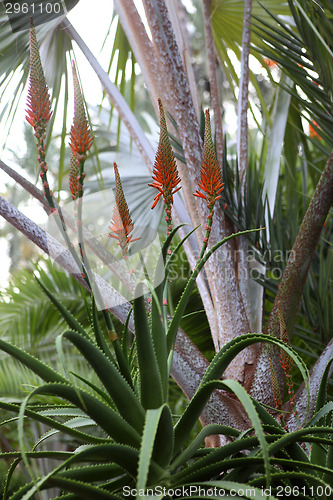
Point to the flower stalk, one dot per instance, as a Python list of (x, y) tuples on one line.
[(165, 173)]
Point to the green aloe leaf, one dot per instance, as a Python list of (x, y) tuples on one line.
[(41, 369), (159, 337), (121, 393), (152, 421), (42, 416), (99, 334), (215, 371), (197, 442), (150, 377), (84, 490), (112, 423)]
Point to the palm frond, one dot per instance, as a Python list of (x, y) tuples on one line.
[(304, 53)]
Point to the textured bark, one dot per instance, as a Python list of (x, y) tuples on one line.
[(292, 284), (141, 46), (177, 15), (27, 185), (301, 395), (293, 280)]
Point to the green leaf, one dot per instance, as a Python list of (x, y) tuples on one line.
[(164, 440), (115, 426), (146, 450), (121, 393), (41, 416), (159, 337), (208, 430), (215, 371), (248, 405), (41, 369), (99, 334), (150, 377)]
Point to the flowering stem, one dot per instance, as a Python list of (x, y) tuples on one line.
[(208, 230)]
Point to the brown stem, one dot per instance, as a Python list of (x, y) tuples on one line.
[(243, 100), (301, 394), (293, 280), (213, 80), (178, 99), (178, 17)]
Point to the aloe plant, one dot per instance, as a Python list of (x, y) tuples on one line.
[(227, 304)]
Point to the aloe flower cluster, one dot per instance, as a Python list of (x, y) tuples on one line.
[(165, 173), (80, 141), (121, 224), (39, 108), (210, 182)]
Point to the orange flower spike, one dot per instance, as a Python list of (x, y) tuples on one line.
[(270, 63), (211, 178), (313, 127), (39, 103), (121, 224), (80, 138), (39, 109), (165, 173)]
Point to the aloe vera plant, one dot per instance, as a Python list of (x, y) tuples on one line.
[(131, 438)]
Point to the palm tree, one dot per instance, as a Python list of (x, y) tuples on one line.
[(295, 34)]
